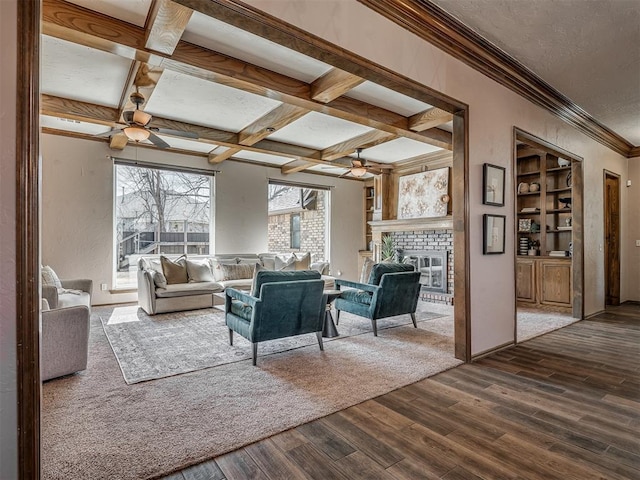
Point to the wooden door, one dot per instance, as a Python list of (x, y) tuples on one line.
[(611, 239)]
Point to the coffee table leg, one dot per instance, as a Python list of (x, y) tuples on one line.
[(329, 329)]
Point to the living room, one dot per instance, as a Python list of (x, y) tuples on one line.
[(78, 193)]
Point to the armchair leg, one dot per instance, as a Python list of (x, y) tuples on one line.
[(319, 335), (375, 327), (337, 317), (413, 319), (230, 337), (254, 353)]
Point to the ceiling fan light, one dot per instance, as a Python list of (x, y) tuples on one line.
[(358, 171), (141, 118), (137, 134)]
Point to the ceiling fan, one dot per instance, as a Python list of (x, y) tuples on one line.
[(138, 128), (360, 167)]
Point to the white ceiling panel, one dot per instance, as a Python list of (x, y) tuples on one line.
[(316, 130), (224, 38), (193, 100), (185, 144), (384, 97), (397, 150), (71, 125), (262, 158), (328, 170), (132, 11), (82, 73)]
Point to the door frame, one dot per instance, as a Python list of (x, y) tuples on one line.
[(28, 170), (606, 208)]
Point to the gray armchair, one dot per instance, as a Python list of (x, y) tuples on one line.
[(393, 289), (281, 304), (65, 341)]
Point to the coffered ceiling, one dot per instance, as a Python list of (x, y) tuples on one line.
[(239, 96)]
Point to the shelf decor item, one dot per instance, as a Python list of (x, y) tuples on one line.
[(493, 233), (524, 225), (493, 185)]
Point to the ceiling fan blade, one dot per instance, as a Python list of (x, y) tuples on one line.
[(157, 141), (114, 131), (127, 116), (177, 133), (348, 172)]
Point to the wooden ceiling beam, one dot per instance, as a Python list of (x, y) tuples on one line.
[(366, 140), (215, 158), (78, 25), (333, 84), (165, 26), (428, 119), (86, 112), (295, 166), (277, 118)]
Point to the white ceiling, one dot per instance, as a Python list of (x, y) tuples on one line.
[(589, 50)]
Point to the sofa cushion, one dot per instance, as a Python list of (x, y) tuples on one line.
[(321, 267), (49, 277), (367, 265), (237, 272), (240, 284), (303, 262), (285, 263), (357, 296), (186, 289), (174, 270), (380, 269), (216, 266), (199, 271), (159, 279), (268, 261), (74, 299)]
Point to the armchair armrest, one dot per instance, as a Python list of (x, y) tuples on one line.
[(84, 284), (232, 293), (360, 286), (50, 294)]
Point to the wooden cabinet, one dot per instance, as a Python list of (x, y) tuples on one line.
[(368, 214), (526, 280), (544, 281)]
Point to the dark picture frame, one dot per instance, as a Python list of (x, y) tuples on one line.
[(493, 234), (493, 185)]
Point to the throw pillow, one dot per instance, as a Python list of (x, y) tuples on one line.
[(216, 266), (49, 277), (268, 261), (285, 263), (366, 270), (159, 279), (239, 271), (303, 262), (175, 271), (199, 272), (258, 268), (320, 267)]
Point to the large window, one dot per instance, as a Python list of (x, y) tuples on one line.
[(298, 219), (158, 211)]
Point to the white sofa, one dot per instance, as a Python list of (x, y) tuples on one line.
[(228, 270)]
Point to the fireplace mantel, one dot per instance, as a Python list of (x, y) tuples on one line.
[(411, 224)]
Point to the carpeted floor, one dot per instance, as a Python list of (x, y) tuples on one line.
[(158, 346), (96, 426)]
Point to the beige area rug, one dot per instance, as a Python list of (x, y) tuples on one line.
[(151, 347), (95, 426), (533, 322)]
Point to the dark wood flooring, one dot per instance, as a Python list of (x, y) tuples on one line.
[(563, 406)]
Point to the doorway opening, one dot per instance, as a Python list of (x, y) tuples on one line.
[(611, 238), (548, 236)]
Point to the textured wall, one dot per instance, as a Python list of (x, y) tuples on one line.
[(8, 397), (77, 209), (494, 111)]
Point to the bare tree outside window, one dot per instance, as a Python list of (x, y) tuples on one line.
[(159, 211)]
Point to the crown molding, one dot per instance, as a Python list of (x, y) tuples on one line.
[(433, 24)]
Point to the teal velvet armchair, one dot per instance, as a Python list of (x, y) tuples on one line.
[(281, 304), (393, 289)]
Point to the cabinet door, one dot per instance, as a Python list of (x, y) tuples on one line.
[(556, 282), (525, 280)]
